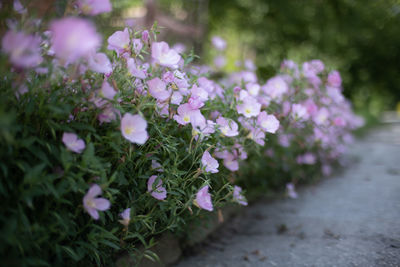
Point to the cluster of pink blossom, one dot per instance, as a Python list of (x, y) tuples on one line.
[(300, 106)]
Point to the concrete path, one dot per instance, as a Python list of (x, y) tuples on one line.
[(351, 219)]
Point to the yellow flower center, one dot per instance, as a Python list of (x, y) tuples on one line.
[(186, 118), (129, 130)]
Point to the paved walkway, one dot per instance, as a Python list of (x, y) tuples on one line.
[(351, 219)]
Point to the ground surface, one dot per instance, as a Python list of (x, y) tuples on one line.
[(350, 219)]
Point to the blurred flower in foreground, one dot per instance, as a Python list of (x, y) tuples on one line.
[(218, 43), (203, 199), (94, 7), (237, 195), (158, 192), (126, 217), (23, 49), (73, 38), (133, 128), (72, 142), (93, 204), (291, 191)]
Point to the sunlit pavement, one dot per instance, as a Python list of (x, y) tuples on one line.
[(350, 219)]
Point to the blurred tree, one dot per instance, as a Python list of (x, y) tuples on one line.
[(360, 38)]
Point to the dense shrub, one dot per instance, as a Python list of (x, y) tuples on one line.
[(99, 156)]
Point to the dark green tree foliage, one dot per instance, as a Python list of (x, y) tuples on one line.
[(361, 38)]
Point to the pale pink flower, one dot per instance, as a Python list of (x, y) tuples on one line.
[(238, 197), (145, 36), (209, 163), (257, 135), (133, 128), (321, 117), (334, 79), (203, 199), (307, 158), (231, 162), (100, 63), (176, 98), (119, 41), (19, 8), (313, 67), (94, 7), (228, 127), (126, 217), (107, 91), (137, 45), (253, 88), (156, 166), (268, 123), (134, 70), (158, 89), (73, 38), (165, 56), (218, 43), (72, 142), (93, 204), (249, 107), (23, 49), (199, 93), (299, 112), (108, 114), (219, 61), (186, 114), (291, 191), (157, 191), (275, 88), (195, 102)]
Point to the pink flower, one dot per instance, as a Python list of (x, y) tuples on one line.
[(203, 199), (249, 108), (291, 191), (158, 192), (238, 197), (176, 98), (275, 87), (108, 114), (299, 112), (218, 43), (18, 7), (313, 67), (94, 7), (334, 79), (257, 135), (164, 56), (73, 38), (156, 166), (199, 93), (307, 158), (100, 63), (93, 204), (23, 49), (135, 70), (253, 88), (268, 123), (210, 164), (137, 46), (119, 41), (186, 114), (231, 162), (107, 91), (145, 36), (126, 217), (158, 89), (72, 142), (228, 127), (133, 128)]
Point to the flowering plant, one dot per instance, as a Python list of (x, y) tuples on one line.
[(154, 135)]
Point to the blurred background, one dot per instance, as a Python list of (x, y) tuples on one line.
[(361, 39)]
